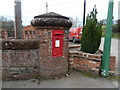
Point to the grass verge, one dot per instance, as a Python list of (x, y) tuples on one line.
[(114, 35)]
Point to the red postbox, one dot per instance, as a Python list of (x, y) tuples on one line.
[(57, 43)]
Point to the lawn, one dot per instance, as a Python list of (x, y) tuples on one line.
[(114, 35)]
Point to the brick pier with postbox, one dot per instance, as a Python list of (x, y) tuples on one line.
[(52, 31)]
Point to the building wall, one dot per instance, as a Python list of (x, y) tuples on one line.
[(28, 32), (6, 34)]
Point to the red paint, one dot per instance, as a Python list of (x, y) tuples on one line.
[(57, 43)]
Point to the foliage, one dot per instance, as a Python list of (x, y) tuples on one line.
[(103, 27), (7, 24), (104, 21), (116, 27), (92, 32)]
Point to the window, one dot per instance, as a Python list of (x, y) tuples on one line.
[(33, 32), (30, 32), (26, 32)]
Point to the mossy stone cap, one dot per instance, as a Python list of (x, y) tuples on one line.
[(51, 19), (18, 44)]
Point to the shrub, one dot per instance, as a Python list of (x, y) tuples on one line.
[(115, 28), (92, 32)]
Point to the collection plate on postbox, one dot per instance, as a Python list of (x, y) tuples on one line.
[(57, 43)]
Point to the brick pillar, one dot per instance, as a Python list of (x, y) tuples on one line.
[(44, 26)]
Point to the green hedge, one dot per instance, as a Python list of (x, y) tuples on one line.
[(92, 32)]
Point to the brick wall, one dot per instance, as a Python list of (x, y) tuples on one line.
[(87, 62), (20, 59), (24, 59), (30, 58)]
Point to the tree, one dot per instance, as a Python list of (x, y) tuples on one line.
[(92, 32), (7, 24), (104, 21), (116, 27), (76, 22)]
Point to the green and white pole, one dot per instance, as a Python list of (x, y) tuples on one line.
[(107, 43)]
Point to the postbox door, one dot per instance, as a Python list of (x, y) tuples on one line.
[(57, 43)]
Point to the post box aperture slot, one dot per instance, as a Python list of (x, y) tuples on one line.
[(58, 35)]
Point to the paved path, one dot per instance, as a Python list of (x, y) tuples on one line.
[(74, 80)]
